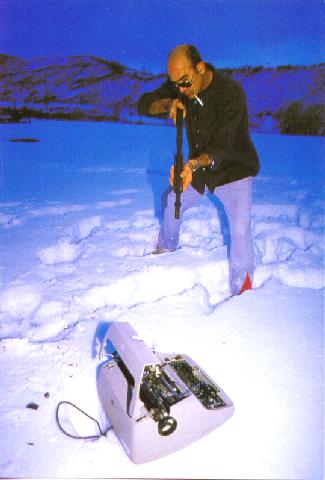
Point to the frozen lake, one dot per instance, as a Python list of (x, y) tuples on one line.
[(81, 154)]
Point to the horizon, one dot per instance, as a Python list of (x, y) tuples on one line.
[(144, 69)]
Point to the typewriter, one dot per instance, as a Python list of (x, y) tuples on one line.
[(156, 402)]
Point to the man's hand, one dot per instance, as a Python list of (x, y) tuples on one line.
[(173, 109), (186, 176)]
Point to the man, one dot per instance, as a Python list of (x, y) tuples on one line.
[(222, 158)]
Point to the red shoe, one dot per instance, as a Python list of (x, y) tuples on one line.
[(247, 285)]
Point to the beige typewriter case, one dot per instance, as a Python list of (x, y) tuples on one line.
[(157, 403)]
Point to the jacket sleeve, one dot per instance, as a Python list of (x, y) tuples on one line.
[(166, 90)]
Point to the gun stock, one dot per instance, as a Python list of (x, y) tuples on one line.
[(178, 162)]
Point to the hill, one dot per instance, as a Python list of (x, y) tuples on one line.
[(288, 99)]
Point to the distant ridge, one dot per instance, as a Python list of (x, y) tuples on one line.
[(92, 88)]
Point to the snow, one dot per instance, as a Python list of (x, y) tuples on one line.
[(79, 212)]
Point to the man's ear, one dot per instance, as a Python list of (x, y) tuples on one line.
[(200, 67)]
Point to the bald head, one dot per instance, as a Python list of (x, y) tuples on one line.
[(185, 52)]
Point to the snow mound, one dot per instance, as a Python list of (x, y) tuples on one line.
[(273, 210), (85, 228), (51, 319), (17, 305), (289, 275), (62, 252), (57, 210), (20, 300), (153, 284)]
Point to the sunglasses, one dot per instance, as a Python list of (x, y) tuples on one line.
[(183, 84)]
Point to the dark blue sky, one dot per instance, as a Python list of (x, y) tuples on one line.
[(140, 33)]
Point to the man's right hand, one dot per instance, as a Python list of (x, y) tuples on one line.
[(186, 175), (173, 109)]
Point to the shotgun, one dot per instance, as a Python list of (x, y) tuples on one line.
[(178, 162)]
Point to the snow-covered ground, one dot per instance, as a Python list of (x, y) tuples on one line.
[(79, 210)]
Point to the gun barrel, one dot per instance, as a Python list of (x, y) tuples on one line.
[(178, 162)]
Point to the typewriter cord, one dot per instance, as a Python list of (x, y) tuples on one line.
[(77, 437)]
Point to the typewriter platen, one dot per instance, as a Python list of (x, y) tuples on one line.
[(157, 403)]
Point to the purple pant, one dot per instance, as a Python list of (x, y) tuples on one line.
[(236, 198)]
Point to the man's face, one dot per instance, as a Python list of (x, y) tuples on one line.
[(180, 70)]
